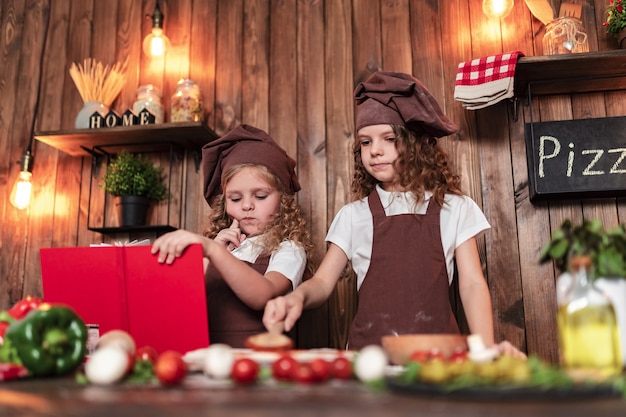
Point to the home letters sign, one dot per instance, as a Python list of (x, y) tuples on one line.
[(583, 158)]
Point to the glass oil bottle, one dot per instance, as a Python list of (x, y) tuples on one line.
[(588, 331)]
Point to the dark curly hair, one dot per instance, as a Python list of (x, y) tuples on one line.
[(422, 165), (288, 224)]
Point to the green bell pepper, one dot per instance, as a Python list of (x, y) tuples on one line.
[(50, 340)]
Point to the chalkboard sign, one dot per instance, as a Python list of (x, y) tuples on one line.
[(583, 158)]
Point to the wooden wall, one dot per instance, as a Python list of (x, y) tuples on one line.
[(290, 67)]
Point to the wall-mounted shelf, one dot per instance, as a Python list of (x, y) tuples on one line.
[(86, 142), (99, 143), (571, 73)]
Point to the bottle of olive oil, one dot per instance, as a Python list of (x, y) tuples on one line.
[(588, 330)]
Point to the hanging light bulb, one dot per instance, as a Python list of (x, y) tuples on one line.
[(497, 9), (156, 44), (20, 195)]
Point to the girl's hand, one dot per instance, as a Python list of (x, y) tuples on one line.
[(287, 308), (232, 237), (172, 245), (507, 348)]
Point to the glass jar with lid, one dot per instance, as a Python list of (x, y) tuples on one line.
[(565, 35), (149, 98), (186, 102)]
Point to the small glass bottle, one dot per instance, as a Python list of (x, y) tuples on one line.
[(186, 102), (588, 331), (149, 97)]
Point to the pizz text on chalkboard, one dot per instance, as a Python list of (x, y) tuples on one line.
[(583, 158)]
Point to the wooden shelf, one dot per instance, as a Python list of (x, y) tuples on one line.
[(87, 142), (571, 73)]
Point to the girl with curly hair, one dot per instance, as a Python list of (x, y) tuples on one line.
[(408, 225), (257, 244)]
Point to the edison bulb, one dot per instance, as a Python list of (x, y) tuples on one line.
[(156, 43), (497, 9), (20, 195)]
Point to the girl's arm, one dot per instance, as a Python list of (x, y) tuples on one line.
[(474, 291), (311, 293), (251, 287)]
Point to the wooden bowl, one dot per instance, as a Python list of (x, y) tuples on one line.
[(399, 348)]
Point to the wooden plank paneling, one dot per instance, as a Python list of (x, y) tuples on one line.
[(311, 118), (366, 39), (536, 302), (36, 24), (228, 66), (396, 35), (19, 36), (202, 54), (255, 75), (340, 137)]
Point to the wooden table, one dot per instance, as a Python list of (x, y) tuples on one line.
[(197, 398)]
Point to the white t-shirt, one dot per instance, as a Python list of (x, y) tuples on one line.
[(289, 259), (352, 229)]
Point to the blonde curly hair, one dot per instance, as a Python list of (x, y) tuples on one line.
[(288, 223), (422, 165)]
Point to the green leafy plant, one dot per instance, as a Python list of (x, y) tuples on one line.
[(615, 17), (607, 248), (131, 174)]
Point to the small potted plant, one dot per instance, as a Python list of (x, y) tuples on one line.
[(615, 22), (607, 248), (136, 183)]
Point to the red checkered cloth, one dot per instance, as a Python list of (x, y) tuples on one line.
[(485, 81)]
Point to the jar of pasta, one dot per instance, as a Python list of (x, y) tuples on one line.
[(565, 35), (186, 102), (149, 98)]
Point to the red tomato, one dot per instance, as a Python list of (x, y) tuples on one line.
[(146, 353), (24, 306), (245, 371), (436, 353), (341, 368), (283, 367), (170, 368), (459, 355), (321, 369), (420, 356), (303, 373)]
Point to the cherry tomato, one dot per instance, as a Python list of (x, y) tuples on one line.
[(146, 353), (436, 353), (459, 355), (283, 367), (321, 369), (341, 368), (303, 373), (420, 356), (170, 368), (245, 371)]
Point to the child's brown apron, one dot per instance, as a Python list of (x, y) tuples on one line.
[(230, 320), (406, 286)]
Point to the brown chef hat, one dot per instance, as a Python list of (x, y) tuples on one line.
[(397, 98), (245, 145)]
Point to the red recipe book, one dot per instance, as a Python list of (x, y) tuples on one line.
[(124, 287)]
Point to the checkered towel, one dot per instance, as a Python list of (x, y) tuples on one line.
[(485, 81)]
